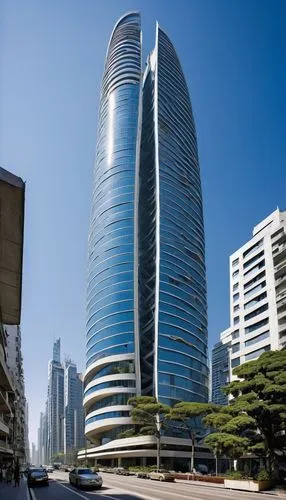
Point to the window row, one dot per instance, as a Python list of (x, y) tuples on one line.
[(114, 400), (258, 311), (111, 383), (109, 414)]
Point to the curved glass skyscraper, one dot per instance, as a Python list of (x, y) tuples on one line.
[(110, 375), (146, 303)]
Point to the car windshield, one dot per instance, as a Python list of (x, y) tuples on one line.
[(84, 471), (37, 470)]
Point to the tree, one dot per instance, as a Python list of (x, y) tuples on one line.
[(257, 412), (182, 416), (148, 416)]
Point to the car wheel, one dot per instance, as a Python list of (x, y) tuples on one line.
[(161, 478)]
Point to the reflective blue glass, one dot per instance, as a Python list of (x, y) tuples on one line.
[(146, 284), (109, 414), (111, 383), (172, 281)]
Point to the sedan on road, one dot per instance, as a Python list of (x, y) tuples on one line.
[(85, 478), (37, 476), (161, 475)]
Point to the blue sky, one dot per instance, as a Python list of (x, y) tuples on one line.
[(51, 61)]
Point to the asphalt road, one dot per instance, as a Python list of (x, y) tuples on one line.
[(131, 488)]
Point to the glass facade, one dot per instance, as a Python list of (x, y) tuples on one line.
[(172, 283), (146, 295), (110, 287)]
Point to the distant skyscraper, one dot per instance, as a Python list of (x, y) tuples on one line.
[(258, 293), (220, 368), (55, 403), (41, 440), (74, 413), (57, 351), (34, 456), (146, 292)]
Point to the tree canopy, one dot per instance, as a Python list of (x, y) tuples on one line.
[(147, 413), (255, 418)]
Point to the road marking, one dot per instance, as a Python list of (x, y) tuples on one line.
[(128, 492), (85, 498), (33, 495), (28, 494)]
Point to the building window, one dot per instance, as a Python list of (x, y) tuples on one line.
[(235, 262), (235, 347), (235, 287), (257, 353), (257, 299), (235, 362), (256, 312), (235, 334), (255, 289), (254, 259), (253, 248), (236, 320), (258, 338), (236, 308), (255, 268), (235, 273), (235, 297), (257, 278), (257, 325)]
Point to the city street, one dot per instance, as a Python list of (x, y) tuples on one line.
[(132, 488)]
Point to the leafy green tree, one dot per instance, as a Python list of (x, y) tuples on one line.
[(148, 415), (257, 412), (183, 417)]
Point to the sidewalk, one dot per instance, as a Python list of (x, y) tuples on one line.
[(9, 492), (200, 483)]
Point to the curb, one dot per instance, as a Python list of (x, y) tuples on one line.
[(200, 483)]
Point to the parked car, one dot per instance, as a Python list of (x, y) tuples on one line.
[(143, 475), (122, 472), (50, 469), (37, 476), (85, 478), (161, 475)]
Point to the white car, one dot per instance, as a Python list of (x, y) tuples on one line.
[(85, 478), (161, 475), (49, 469)]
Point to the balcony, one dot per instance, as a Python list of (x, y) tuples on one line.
[(5, 447), (280, 237), (279, 254), (281, 317), (280, 269), (5, 377), (4, 403), (281, 299), (4, 429), (280, 282)]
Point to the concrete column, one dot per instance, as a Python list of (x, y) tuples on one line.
[(143, 461)]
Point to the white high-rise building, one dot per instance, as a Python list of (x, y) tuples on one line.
[(258, 292)]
